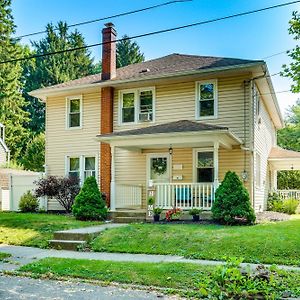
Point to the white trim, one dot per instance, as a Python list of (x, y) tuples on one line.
[(136, 93), (67, 115), (155, 155), (197, 93)]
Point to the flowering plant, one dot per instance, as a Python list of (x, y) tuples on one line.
[(173, 214)]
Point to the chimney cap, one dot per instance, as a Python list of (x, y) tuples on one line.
[(109, 25)]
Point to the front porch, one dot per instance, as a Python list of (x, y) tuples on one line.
[(180, 164)]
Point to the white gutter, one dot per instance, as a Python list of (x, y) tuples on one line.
[(44, 92)]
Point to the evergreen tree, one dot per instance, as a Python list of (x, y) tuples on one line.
[(128, 53), (12, 113), (54, 69)]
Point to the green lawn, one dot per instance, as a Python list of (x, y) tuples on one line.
[(34, 229), (4, 256), (224, 282), (277, 243)]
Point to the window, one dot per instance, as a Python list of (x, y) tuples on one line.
[(205, 166), (74, 109), (137, 106), (258, 170), (89, 167), (74, 167), (128, 107), (206, 99), (146, 105), (81, 167)]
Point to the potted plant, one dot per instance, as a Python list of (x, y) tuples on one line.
[(151, 200), (156, 213), (195, 212)]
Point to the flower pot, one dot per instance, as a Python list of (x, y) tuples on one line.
[(196, 218), (156, 218)]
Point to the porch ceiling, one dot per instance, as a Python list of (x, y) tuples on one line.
[(175, 134), (282, 159)]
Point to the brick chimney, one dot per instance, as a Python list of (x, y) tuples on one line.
[(107, 99), (109, 52)]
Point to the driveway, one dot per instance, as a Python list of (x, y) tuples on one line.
[(15, 288)]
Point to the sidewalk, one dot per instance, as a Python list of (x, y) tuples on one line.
[(23, 255)]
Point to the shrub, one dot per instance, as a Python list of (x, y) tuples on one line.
[(89, 204), (232, 202), (64, 190), (28, 203), (274, 202), (290, 206)]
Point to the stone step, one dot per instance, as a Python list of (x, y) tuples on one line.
[(70, 236), (128, 213), (66, 244), (129, 219)]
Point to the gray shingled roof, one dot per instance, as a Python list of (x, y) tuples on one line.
[(170, 64), (177, 126)]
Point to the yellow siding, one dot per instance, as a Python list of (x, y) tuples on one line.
[(264, 140), (176, 101), (62, 142)]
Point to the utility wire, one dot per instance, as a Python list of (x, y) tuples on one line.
[(107, 18), (275, 54), (154, 32)]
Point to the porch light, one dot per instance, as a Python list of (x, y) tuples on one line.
[(244, 175), (171, 150)]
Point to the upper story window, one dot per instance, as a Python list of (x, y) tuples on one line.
[(137, 106), (206, 99), (74, 112)]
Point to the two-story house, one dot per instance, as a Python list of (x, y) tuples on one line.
[(173, 126)]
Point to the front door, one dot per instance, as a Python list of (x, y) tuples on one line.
[(158, 168)]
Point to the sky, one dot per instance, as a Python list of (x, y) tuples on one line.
[(254, 36)]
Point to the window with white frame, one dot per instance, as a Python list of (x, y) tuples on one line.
[(205, 166), (74, 112), (74, 167), (89, 167), (206, 99), (258, 170), (81, 167), (136, 106)]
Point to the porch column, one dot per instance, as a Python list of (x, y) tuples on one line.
[(112, 182), (274, 180), (216, 164)]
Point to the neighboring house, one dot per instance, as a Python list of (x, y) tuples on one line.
[(4, 151), (172, 126)]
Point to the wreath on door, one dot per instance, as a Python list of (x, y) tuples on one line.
[(159, 166)]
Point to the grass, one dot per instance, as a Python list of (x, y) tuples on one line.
[(273, 243), (34, 229), (4, 256), (222, 282)]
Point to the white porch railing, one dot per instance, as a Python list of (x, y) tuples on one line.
[(289, 194), (184, 195), (127, 195)]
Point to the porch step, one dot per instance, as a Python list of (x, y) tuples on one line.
[(127, 219), (128, 213), (68, 236), (66, 244)]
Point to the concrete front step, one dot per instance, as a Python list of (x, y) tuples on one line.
[(128, 213), (129, 219), (69, 236), (66, 244)]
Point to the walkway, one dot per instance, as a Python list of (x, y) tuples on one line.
[(23, 255)]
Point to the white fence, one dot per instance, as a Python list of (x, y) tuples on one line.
[(289, 194), (184, 195), (18, 185), (127, 196)]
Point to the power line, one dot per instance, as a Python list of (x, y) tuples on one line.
[(275, 54), (154, 32), (107, 18)]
